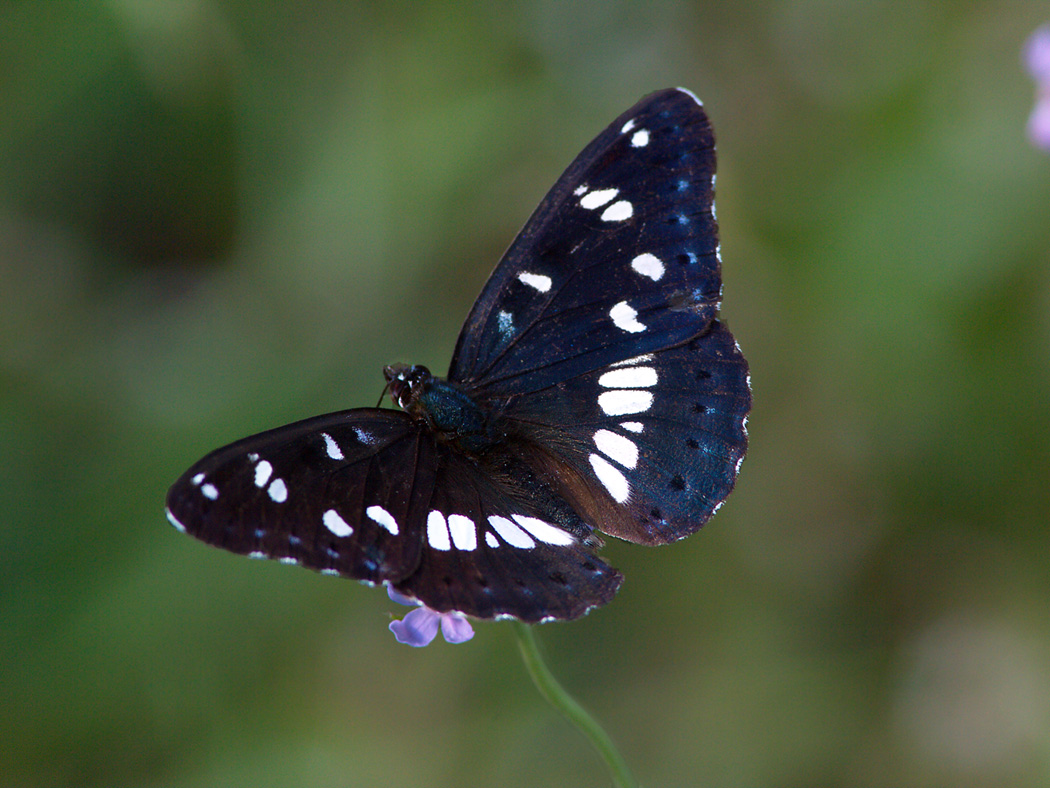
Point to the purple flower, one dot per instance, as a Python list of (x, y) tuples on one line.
[(1037, 59), (420, 626)]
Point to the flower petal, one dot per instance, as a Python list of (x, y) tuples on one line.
[(1037, 59), (1037, 54), (1039, 122), (401, 599), (418, 628), (456, 628)]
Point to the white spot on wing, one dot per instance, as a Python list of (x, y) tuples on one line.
[(437, 531), (621, 402), (257, 554), (581, 190), (171, 519), (597, 198), (210, 491), (287, 559), (262, 473), (383, 517), (537, 281), (491, 540), (278, 491), (648, 265), (629, 378), (614, 481), (198, 478), (623, 315), (336, 524), (464, 532), (544, 531), (640, 139), (617, 447), (332, 447), (618, 211), (511, 533), (364, 436), (632, 426), (636, 360), (627, 126)]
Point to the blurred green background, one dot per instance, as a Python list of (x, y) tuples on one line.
[(217, 217)]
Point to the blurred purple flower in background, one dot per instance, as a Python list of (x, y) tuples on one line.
[(1037, 59), (421, 625)]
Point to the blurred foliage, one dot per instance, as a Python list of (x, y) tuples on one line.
[(216, 217)]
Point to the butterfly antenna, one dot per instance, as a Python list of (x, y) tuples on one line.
[(383, 393)]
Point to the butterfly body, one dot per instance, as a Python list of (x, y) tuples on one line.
[(592, 389), (447, 410)]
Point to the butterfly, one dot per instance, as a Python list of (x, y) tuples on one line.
[(592, 390)]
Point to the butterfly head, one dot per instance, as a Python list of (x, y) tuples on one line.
[(405, 382)]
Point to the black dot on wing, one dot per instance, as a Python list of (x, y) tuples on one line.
[(702, 374), (677, 482), (655, 514), (692, 444), (699, 408), (558, 578)]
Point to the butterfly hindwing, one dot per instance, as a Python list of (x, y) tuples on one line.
[(496, 547), (620, 258), (649, 446)]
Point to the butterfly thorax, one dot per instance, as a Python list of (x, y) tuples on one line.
[(453, 416)]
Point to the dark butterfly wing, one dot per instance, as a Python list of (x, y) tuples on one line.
[(495, 549), (646, 449), (370, 494), (620, 262), (620, 258), (342, 494)]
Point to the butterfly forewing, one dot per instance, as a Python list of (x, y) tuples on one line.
[(340, 493), (369, 494), (621, 258)]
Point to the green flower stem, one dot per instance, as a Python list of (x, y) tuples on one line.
[(561, 700)]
